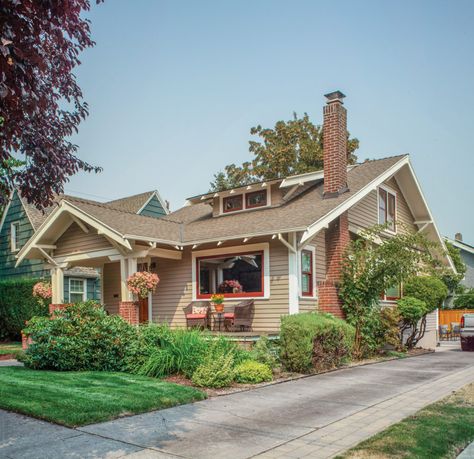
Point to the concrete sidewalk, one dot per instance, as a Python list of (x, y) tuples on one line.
[(316, 417)]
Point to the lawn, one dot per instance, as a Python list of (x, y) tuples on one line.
[(10, 348), (79, 398), (441, 430)]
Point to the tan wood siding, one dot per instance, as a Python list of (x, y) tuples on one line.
[(74, 240), (319, 242), (365, 213), (111, 273), (175, 290)]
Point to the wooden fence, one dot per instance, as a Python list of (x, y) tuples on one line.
[(446, 316)]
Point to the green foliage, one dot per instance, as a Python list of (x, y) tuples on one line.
[(266, 352), (450, 279), (291, 147), (413, 317), (314, 340), (17, 305), (464, 300), (389, 327), (215, 371), (370, 268), (429, 289), (252, 372), (81, 337)]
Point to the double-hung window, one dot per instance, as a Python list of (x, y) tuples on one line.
[(77, 290), (14, 236), (307, 274), (387, 209)]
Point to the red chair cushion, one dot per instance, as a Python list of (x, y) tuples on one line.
[(229, 315), (195, 316)]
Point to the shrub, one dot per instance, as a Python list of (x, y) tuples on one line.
[(80, 337), (389, 326), (252, 372), (413, 316), (17, 305), (429, 289), (465, 300), (266, 352), (215, 372), (315, 340)]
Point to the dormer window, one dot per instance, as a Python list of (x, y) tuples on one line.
[(233, 203), (256, 199), (387, 209)]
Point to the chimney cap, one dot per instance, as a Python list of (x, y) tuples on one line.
[(334, 96)]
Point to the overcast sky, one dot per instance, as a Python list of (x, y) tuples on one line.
[(174, 88)]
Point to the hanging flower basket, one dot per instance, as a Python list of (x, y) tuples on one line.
[(42, 290), (142, 283)]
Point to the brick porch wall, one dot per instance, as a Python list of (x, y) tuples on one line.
[(128, 310)]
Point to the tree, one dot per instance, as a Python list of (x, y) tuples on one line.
[(41, 102), (465, 300), (291, 147), (451, 279), (370, 267)]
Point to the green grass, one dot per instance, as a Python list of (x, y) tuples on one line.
[(79, 398), (10, 348), (441, 430)]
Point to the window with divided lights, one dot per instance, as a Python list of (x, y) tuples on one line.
[(77, 290), (387, 209), (256, 199), (233, 203), (233, 275), (307, 277)]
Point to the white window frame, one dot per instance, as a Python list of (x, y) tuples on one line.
[(391, 191), (236, 249), (14, 232), (244, 200), (84, 285), (312, 249)]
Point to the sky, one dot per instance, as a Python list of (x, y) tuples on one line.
[(174, 87)]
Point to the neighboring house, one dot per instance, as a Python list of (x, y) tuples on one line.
[(282, 240), (19, 222), (467, 256)]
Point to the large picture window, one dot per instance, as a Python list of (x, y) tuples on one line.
[(234, 275), (307, 273), (387, 209)]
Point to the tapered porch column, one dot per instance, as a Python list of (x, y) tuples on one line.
[(57, 285), (128, 309)]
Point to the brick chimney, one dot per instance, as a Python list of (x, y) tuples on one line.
[(335, 145), (458, 237)]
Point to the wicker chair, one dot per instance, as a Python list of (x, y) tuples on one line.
[(443, 332), (197, 320), (239, 317)]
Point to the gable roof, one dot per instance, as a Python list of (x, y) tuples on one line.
[(137, 202)]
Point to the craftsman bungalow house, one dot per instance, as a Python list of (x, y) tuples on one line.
[(281, 240)]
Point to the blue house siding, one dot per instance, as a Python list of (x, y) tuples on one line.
[(153, 208), (27, 268), (92, 288), (468, 258)]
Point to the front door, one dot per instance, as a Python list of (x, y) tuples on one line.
[(142, 302)]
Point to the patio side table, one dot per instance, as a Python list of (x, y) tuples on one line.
[(217, 320)]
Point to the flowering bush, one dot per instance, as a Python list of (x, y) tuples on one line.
[(217, 298), (230, 286), (42, 290), (142, 283)]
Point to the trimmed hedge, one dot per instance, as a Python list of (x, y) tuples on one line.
[(17, 305), (315, 341)]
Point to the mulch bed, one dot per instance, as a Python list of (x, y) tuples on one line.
[(283, 376), (8, 356)]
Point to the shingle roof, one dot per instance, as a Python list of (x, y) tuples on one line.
[(131, 203), (36, 217)]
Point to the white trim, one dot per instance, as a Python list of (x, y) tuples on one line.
[(7, 207), (150, 307), (302, 179), (293, 284), (104, 253), (314, 296), (318, 225), (236, 249), (84, 287), (158, 196), (14, 230), (460, 245), (244, 193), (391, 191)]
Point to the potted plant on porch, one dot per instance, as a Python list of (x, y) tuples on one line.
[(217, 301)]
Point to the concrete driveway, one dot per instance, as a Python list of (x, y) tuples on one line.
[(317, 416)]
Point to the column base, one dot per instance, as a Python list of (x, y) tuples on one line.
[(128, 310)]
